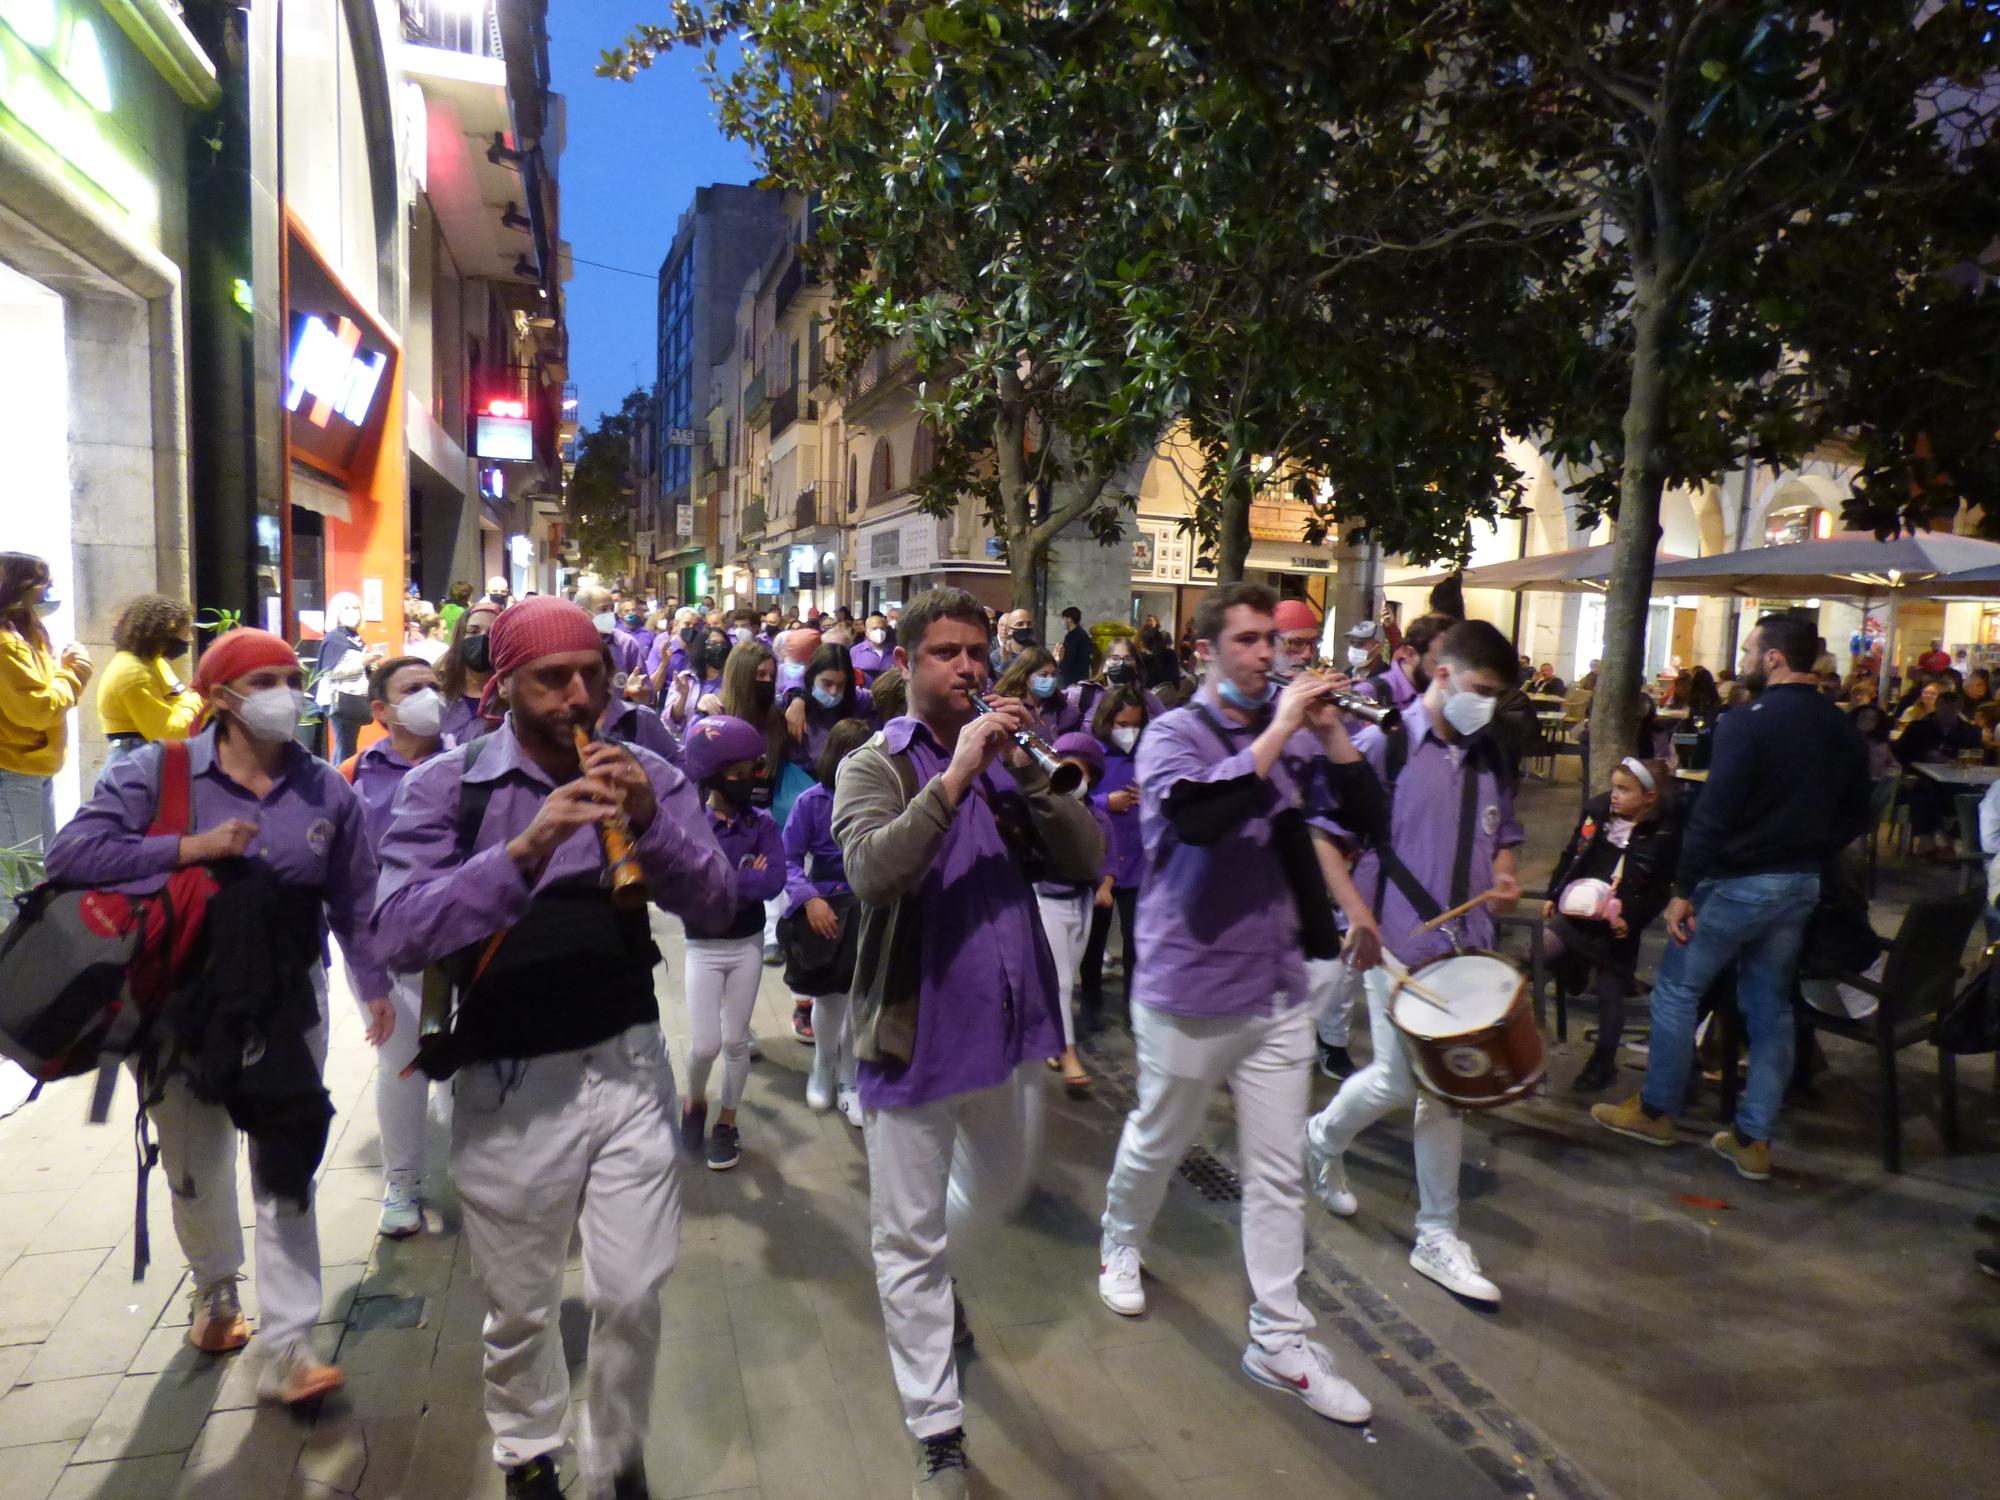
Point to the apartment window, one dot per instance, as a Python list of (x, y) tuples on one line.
[(881, 470)]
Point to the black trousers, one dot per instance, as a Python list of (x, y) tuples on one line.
[(1091, 977)]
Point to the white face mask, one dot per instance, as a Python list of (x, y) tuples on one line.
[(1357, 656), (272, 713), (605, 623), (1466, 711), (422, 713), (1125, 736), (878, 635)]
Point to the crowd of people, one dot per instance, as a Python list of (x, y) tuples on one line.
[(881, 805)]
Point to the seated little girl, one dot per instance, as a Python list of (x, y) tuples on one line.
[(1611, 882)]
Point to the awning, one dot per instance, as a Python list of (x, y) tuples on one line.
[(1290, 557)]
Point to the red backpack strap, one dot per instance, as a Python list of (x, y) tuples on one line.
[(173, 809)]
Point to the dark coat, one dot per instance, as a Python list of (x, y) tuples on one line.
[(1644, 886)]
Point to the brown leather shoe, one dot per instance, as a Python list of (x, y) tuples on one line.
[(215, 1323), (296, 1374)]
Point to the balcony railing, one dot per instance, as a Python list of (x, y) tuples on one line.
[(756, 400), (818, 505), (454, 27), (786, 408), (819, 370), (887, 362), (752, 522), (789, 283)]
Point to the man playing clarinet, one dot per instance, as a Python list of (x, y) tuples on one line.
[(493, 868)]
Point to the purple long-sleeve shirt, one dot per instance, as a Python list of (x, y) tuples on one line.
[(820, 722), (627, 655), (1125, 851), (1079, 706), (1218, 923), (741, 841), (871, 661), (814, 865), (462, 722), (430, 903), (987, 996), (378, 771), (1424, 834), (632, 723), (310, 833)]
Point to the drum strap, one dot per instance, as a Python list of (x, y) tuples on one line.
[(1391, 868)]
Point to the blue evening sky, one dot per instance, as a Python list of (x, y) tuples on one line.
[(636, 153)]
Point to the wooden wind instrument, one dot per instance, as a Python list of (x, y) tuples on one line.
[(622, 873)]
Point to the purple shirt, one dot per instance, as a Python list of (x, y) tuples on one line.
[(462, 722), (644, 638), (627, 655), (430, 904), (632, 723), (1402, 691), (741, 840), (378, 771), (670, 647), (1424, 834), (310, 834), (1218, 924), (987, 996), (869, 660), (1125, 845), (688, 712), (820, 722), (814, 865), (1079, 706)]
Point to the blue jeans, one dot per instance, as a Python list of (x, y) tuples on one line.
[(1758, 923)]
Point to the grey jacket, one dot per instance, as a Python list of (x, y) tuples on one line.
[(889, 830)]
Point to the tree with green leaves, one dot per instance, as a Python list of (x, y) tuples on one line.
[(602, 504), (1780, 208)]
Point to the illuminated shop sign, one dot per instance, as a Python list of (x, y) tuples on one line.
[(56, 86), (329, 365)]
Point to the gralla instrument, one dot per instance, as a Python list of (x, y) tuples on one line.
[(1065, 777), (622, 873), (1468, 1025), (1381, 715)]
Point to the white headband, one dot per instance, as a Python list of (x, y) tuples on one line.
[(1639, 772)]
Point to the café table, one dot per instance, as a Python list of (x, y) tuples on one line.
[(1952, 774)]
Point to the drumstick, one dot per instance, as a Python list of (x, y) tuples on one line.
[(1457, 911), (1402, 977)]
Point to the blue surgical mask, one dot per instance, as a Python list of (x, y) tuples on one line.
[(1235, 697), (824, 698), (1043, 686)]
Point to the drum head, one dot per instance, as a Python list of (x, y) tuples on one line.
[(1479, 987)]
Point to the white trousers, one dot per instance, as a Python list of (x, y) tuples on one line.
[(198, 1144), (401, 1103), (1066, 922), (537, 1148), (721, 981), (1385, 1084), (946, 1168), (1332, 988), (1267, 1059), (833, 1043), (773, 909)]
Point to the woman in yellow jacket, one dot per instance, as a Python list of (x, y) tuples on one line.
[(139, 699), (38, 688)]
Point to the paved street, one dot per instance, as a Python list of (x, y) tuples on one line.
[(1824, 1335)]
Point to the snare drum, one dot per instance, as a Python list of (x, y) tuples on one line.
[(1480, 1049)]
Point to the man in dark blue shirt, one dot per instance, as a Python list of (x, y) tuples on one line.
[(1787, 788)]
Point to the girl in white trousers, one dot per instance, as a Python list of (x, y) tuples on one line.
[(401, 1105), (1066, 908), (721, 981)]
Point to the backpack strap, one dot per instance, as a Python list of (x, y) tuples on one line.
[(473, 797)]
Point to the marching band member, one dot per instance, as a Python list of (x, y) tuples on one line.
[(1441, 828), (1221, 990), (563, 1114), (404, 699), (955, 1002), (256, 794)]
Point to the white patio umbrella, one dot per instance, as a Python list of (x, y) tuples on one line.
[(1847, 565), (1577, 570)]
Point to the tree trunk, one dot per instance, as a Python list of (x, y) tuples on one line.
[(1232, 542), (1024, 570), (1614, 712)]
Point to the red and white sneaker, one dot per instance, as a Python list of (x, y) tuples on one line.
[(1306, 1370)]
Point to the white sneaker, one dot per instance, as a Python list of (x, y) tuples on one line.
[(848, 1101), (1449, 1261), (1307, 1371), (402, 1216), (1118, 1281), (1328, 1173), (818, 1099)]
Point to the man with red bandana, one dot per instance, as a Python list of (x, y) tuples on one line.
[(564, 1111)]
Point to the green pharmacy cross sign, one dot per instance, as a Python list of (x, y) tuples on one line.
[(57, 90)]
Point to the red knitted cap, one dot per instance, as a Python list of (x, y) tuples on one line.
[(541, 626), (237, 651), (1294, 614)]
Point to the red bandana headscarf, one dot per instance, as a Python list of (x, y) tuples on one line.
[(537, 627)]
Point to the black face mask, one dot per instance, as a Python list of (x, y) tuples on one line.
[(767, 694), (476, 651), (736, 792), (715, 657), (690, 635), (499, 599), (175, 650), (1120, 670), (1024, 637)]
